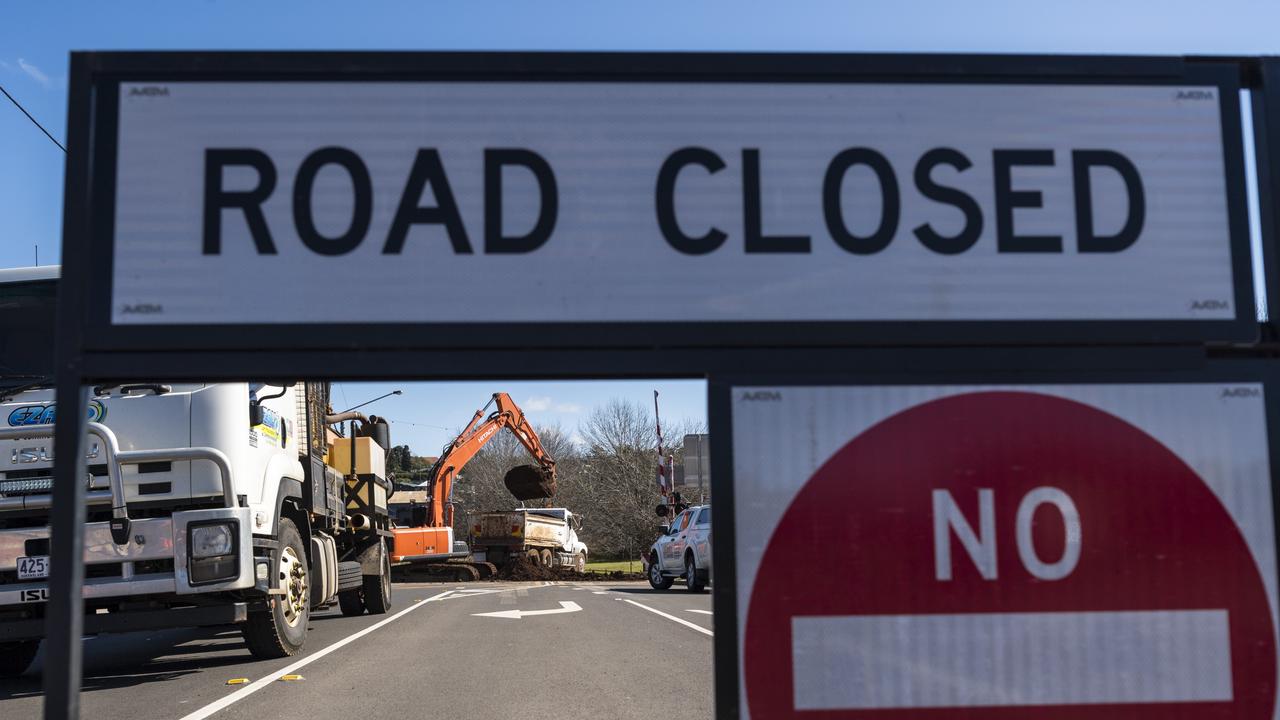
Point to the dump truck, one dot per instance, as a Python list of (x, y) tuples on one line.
[(246, 503), (543, 536)]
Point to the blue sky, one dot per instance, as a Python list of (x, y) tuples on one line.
[(427, 415), (35, 39)]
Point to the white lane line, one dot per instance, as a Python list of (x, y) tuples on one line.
[(599, 592), (686, 623), (700, 612), (474, 592), (250, 689)]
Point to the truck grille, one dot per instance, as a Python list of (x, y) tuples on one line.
[(16, 483)]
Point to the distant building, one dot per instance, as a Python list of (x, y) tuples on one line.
[(693, 475)]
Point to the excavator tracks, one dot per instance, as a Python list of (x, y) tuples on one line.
[(456, 570)]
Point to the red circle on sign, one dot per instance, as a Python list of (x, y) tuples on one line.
[(858, 540)]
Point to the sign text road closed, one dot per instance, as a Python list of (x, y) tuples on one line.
[(658, 201), (1060, 552)]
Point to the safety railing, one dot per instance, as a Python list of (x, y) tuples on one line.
[(114, 458)]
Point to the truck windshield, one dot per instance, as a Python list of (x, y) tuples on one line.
[(26, 331)]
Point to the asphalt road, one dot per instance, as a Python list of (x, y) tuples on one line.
[(615, 650)]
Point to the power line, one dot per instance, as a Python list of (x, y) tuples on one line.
[(406, 422), (33, 120)]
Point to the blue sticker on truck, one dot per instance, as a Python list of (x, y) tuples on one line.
[(45, 415), (272, 426)]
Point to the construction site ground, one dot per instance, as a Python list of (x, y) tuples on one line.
[(520, 570), (498, 649)]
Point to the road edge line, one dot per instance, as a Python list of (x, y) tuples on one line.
[(248, 690), (673, 618)]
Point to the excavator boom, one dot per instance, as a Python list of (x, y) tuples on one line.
[(527, 482)]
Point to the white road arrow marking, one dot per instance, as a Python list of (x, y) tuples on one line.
[(566, 606)]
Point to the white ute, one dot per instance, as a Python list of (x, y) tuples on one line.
[(683, 550)]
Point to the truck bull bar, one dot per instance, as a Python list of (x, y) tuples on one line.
[(114, 458)]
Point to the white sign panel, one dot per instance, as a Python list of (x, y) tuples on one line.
[(528, 202), (1073, 551)]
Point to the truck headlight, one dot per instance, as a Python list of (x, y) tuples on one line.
[(211, 540), (212, 549)]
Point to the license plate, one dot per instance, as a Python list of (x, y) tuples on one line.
[(35, 567)]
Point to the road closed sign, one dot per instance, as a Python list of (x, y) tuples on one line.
[(1046, 551), (780, 200)]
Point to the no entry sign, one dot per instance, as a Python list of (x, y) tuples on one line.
[(1102, 551)]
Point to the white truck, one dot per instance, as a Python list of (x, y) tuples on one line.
[(241, 503), (683, 550), (545, 536)]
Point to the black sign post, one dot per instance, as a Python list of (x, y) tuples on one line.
[(64, 616)]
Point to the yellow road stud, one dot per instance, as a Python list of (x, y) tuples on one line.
[(290, 678), (237, 681)]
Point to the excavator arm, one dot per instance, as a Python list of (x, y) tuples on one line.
[(524, 482), (432, 541)]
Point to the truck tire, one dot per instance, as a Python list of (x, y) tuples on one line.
[(281, 629), (691, 579), (547, 558), (580, 562), (351, 603), (16, 657), (377, 588), (534, 558), (656, 578)]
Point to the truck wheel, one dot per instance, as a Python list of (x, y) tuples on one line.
[(547, 559), (534, 558), (377, 588), (580, 562), (281, 630), (656, 578), (16, 657), (691, 579), (350, 602)]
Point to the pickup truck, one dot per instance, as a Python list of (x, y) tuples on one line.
[(683, 550), (546, 536)]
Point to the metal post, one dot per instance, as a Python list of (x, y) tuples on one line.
[(64, 612), (64, 617)]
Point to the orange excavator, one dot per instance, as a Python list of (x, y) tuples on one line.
[(428, 540)]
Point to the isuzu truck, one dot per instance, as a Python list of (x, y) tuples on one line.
[(247, 503)]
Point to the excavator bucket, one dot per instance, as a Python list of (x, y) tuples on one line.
[(529, 482)]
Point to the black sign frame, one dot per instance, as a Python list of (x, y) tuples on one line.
[(89, 348)]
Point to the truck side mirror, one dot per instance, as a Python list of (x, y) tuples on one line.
[(666, 529), (255, 414)]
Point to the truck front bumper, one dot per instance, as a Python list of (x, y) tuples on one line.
[(119, 622), (151, 557), (152, 542)]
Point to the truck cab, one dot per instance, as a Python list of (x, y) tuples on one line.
[(683, 550), (207, 504)]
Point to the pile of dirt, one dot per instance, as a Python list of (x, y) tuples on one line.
[(611, 575), (522, 569), (529, 482)]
